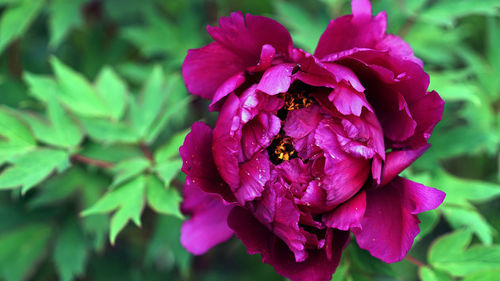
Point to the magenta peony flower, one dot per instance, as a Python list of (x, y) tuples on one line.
[(307, 148)]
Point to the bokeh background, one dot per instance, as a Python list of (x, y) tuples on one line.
[(93, 110)]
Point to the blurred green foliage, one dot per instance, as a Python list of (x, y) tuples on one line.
[(93, 110)]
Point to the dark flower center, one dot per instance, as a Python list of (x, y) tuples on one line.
[(281, 148), (293, 100)]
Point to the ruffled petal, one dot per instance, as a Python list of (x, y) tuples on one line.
[(390, 225), (198, 163), (259, 132), (348, 32), (259, 240), (399, 160), (246, 35), (227, 138), (427, 112), (207, 226), (253, 174), (276, 79), (300, 122), (229, 86), (348, 101), (281, 216), (348, 215), (207, 68)]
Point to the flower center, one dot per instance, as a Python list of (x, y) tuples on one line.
[(281, 149), (293, 100)]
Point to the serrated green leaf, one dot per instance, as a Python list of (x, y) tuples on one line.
[(470, 219), (64, 15), (461, 191), (450, 253), (145, 110), (171, 148), (42, 87), (109, 131), (21, 249), (77, 93), (161, 199), (127, 200), (16, 138), (113, 90), (167, 170), (128, 169), (16, 19), (70, 252), (31, 168), (62, 130), (428, 274)]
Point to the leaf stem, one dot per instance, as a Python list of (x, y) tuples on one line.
[(413, 260), (147, 152), (90, 161)]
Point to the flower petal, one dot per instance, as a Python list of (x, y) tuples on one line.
[(399, 160), (198, 163), (207, 68), (253, 175), (258, 239), (207, 226), (245, 36), (390, 225), (348, 215), (276, 79)]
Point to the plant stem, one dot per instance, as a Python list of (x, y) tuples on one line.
[(413, 260), (90, 161)]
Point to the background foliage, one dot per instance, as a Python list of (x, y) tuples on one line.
[(93, 110)]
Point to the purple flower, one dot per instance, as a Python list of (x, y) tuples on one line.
[(307, 148)]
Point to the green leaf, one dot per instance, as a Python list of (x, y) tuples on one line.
[(487, 275), (70, 252), (31, 168), (62, 130), (450, 253), (461, 191), (145, 111), (64, 15), (113, 90), (446, 11), (109, 131), (77, 93), (127, 200), (171, 148), (167, 170), (470, 219), (16, 19), (15, 137), (128, 169), (22, 248), (161, 199), (428, 274), (42, 87)]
